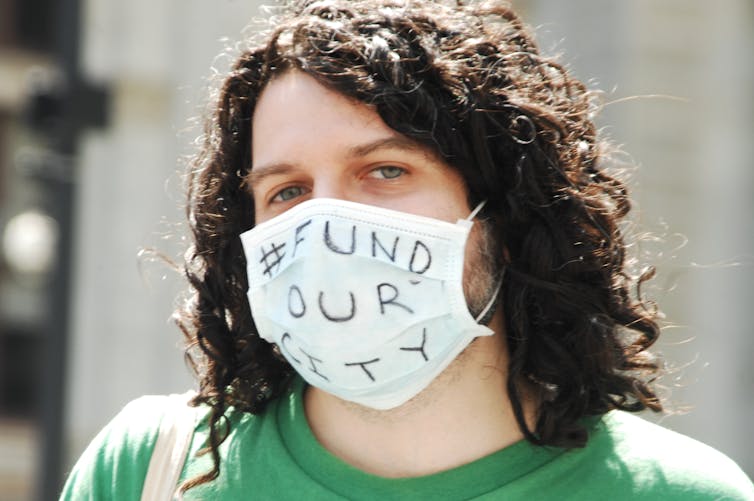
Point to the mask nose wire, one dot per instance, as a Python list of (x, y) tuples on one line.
[(476, 210)]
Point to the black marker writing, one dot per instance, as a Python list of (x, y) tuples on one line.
[(296, 239), (274, 261), (363, 365), (416, 254), (333, 247), (334, 318), (376, 243), (420, 348), (283, 343), (295, 291), (391, 300), (313, 366)]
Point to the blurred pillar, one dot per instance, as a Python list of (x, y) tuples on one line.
[(59, 112)]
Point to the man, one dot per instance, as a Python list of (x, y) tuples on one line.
[(409, 280)]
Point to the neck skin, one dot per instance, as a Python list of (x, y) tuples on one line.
[(463, 415)]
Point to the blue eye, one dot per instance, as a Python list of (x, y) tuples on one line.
[(288, 194), (389, 171)]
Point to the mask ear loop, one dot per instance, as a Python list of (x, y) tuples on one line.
[(476, 210), (499, 285), (492, 300)]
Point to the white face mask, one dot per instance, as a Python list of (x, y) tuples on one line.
[(365, 303)]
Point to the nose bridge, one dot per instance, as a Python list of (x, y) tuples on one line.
[(327, 183)]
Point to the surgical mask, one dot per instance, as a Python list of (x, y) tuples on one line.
[(365, 303)]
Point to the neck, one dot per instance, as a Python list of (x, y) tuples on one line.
[(463, 415)]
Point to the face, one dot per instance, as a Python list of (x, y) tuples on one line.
[(310, 142)]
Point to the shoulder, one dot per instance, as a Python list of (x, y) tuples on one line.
[(115, 463), (657, 461)]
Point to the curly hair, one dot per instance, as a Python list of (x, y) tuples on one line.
[(469, 82)]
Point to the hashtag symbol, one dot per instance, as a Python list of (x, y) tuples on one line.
[(271, 261)]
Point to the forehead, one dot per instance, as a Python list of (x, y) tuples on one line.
[(295, 112)]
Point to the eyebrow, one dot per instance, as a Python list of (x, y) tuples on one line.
[(391, 142), (259, 173)]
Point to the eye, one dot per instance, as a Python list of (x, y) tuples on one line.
[(288, 193), (387, 172)]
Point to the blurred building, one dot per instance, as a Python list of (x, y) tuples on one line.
[(680, 97), (153, 62), (28, 238)]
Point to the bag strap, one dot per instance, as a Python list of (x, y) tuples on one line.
[(171, 448)]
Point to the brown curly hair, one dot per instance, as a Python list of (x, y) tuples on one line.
[(469, 82)]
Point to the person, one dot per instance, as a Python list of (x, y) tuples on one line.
[(409, 280)]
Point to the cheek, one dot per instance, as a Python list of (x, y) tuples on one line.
[(482, 253), (456, 206), (479, 270), (442, 200)]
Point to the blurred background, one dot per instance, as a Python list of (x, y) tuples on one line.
[(100, 100)]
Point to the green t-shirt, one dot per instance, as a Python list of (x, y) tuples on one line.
[(275, 456)]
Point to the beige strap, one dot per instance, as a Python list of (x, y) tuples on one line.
[(169, 455)]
